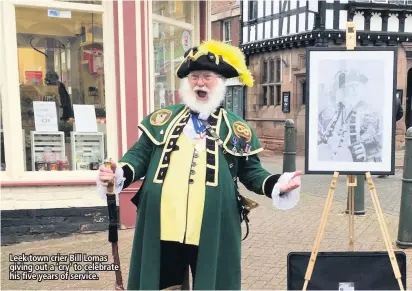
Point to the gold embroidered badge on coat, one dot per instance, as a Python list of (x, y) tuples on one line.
[(160, 117), (242, 130)]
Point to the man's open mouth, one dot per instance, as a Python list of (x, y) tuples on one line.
[(201, 94)]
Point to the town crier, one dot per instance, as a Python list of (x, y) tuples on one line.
[(191, 156)]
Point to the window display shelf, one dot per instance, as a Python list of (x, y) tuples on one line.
[(87, 150), (45, 145)]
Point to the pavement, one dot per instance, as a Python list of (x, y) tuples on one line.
[(273, 235)]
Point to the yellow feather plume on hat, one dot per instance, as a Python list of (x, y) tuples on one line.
[(231, 55)]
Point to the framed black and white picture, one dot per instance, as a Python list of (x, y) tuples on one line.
[(350, 125)]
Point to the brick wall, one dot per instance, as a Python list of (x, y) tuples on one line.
[(39, 224), (217, 30), (219, 6), (235, 30), (37, 213)]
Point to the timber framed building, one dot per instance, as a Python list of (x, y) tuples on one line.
[(274, 37)]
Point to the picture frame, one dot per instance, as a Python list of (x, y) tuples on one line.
[(350, 94)]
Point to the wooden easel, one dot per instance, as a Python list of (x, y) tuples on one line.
[(351, 182)]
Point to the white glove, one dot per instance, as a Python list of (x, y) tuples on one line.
[(289, 199), (119, 181)]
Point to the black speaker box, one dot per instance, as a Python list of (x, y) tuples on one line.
[(345, 271)]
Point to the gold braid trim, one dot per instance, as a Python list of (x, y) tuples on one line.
[(263, 184), (193, 57)]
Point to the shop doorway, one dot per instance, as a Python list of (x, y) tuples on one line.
[(408, 113), (234, 100)]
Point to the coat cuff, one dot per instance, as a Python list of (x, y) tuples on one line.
[(268, 185), (128, 174)]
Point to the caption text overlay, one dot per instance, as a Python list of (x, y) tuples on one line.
[(78, 266)]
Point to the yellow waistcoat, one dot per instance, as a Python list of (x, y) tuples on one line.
[(183, 194)]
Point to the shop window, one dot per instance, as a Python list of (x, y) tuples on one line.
[(178, 10), (169, 46), (227, 31), (60, 63), (173, 34)]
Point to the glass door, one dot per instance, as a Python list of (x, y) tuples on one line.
[(229, 99), (234, 100)]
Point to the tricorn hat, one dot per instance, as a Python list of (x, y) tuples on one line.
[(219, 57)]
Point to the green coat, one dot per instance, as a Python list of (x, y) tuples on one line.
[(219, 254)]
